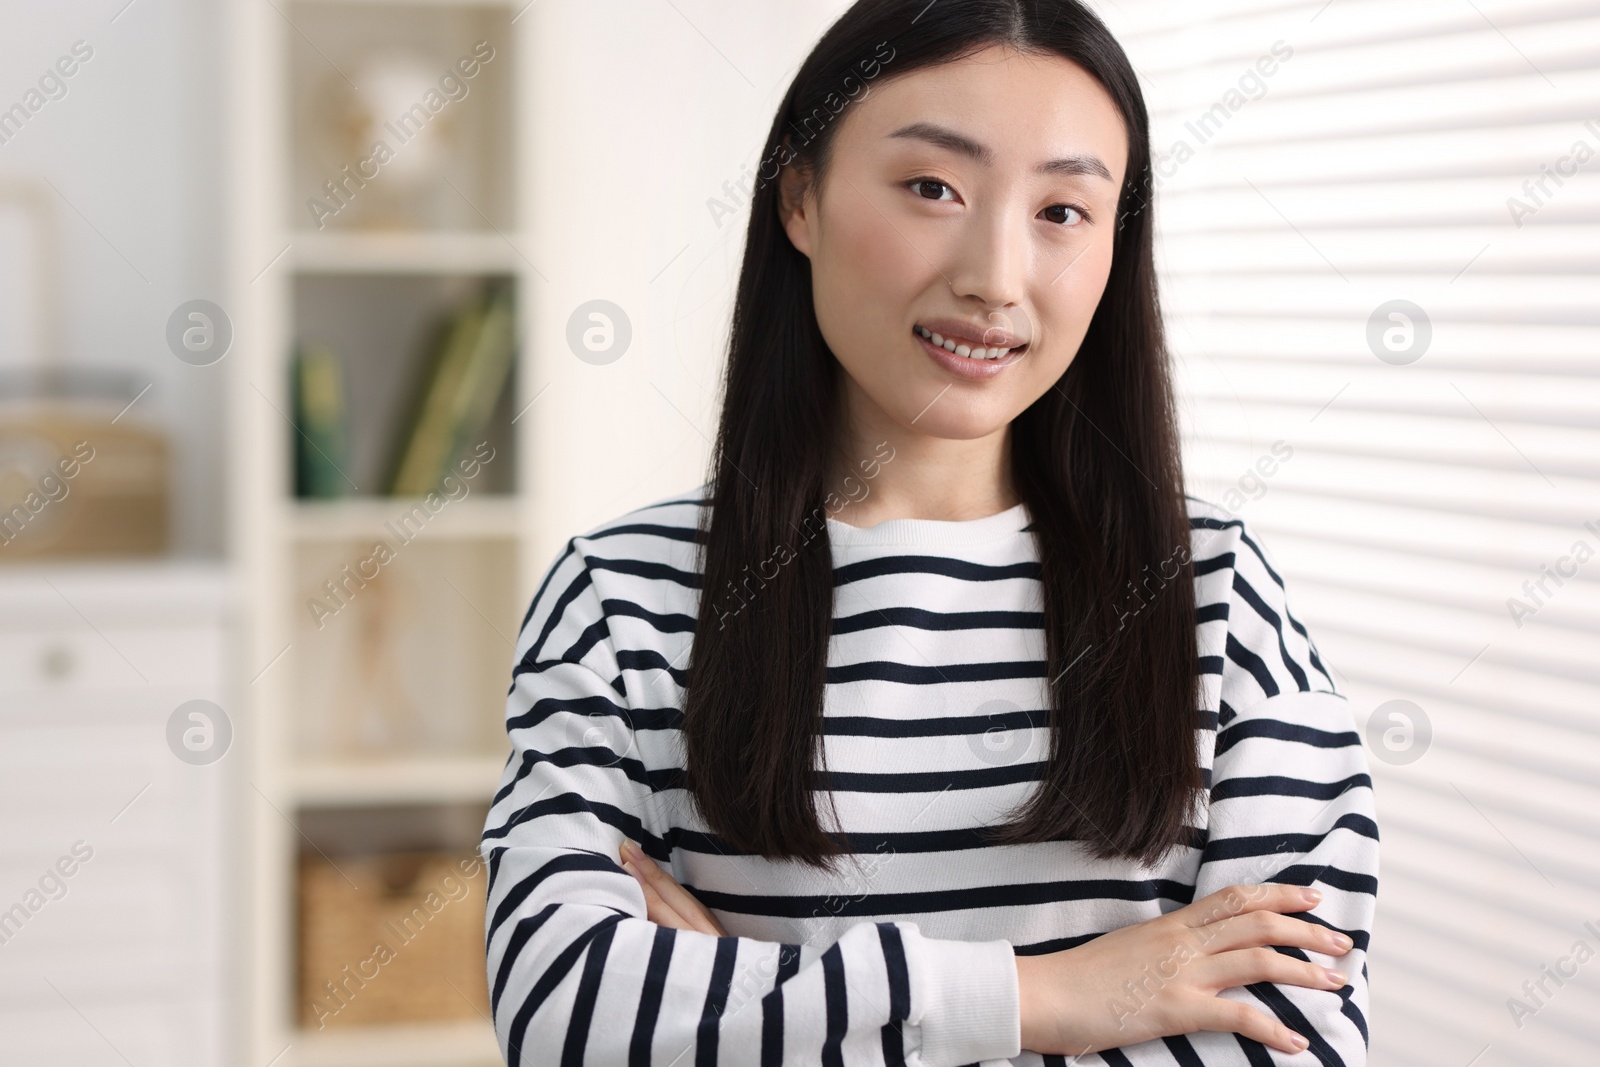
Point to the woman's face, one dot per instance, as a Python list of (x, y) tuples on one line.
[(975, 201)]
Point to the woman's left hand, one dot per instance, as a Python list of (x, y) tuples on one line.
[(666, 902)]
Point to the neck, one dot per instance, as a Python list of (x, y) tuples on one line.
[(897, 472)]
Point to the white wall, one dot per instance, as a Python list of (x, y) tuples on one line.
[(644, 114), (134, 150)]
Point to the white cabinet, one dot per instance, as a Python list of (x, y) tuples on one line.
[(114, 852)]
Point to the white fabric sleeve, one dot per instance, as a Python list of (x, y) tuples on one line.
[(577, 973), (1291, 802)]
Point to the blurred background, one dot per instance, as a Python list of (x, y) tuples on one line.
[(271, 269)]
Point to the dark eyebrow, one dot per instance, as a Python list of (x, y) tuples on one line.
[(963, 145)]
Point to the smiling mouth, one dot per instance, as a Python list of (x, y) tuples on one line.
[(976, 353)]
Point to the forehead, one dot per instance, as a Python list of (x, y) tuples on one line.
[(1023, 106)]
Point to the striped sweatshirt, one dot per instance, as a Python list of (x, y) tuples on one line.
[(935, 720)]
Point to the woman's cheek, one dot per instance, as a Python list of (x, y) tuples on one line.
[(1073, 299), (872, 273), (879, 253)]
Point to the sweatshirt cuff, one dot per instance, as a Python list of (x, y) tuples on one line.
[(971, 1009)]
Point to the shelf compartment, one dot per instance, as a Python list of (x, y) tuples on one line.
[(465, 779), (385, 330), (433, 88), (411, 252), (390, 938), (405, 654), (357, 519), (462, 1044)]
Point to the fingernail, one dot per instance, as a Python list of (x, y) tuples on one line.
[(630, 868), (1343, 941), (1334, 976), (1311, 895), (630, 849), (1298, 1041)]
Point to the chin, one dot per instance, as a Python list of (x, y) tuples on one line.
[(953, 424)]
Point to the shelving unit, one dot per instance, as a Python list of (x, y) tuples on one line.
[(440, 1045), (391, 705)]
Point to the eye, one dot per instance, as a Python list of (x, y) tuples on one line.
[(921, 187), (1056, 213)]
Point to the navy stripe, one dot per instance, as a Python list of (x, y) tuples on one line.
[(545, 707), (1232, 848), (772, 1006), (1248, 594), (551, 978), (926, 781), (592, 635), (1252, 663), (555, 568), (1280, 786), (1294, 1019), (520, 934), (940, 565), (1182, 1051), (1346, 992), (913, 674), (651, 660), (955, 725), (520, 892), (708, 1032), (655, 985), (624, 822), (894, 958), (671, 533), (975, 898), (1279, 730), (583, 1005), (557, 613), (919, 619), (672, 623), (660, 572), (838, 1018), (1254, 1051)]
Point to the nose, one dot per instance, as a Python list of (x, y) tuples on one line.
[(991, 261)]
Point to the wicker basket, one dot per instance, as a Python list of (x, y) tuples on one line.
[(73, 484), (403, 943)]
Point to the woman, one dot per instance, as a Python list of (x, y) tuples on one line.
[(943, 575)]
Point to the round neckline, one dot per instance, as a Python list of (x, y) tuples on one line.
[(1005, 523)]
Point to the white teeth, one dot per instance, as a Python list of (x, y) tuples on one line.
[(967, 351)]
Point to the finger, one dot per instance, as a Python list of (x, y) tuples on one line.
[(1241, 899), (1229, 1016), (680, 899), (1270, 928), (1250, 965), (657, 910)]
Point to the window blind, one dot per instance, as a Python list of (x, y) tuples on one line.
[(1379, 245)]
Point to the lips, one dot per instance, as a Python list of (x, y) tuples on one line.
[(981, 344)]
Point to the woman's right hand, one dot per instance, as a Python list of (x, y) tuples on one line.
[(1161, 977)]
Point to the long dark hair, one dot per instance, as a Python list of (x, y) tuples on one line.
[(1095, 459)]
